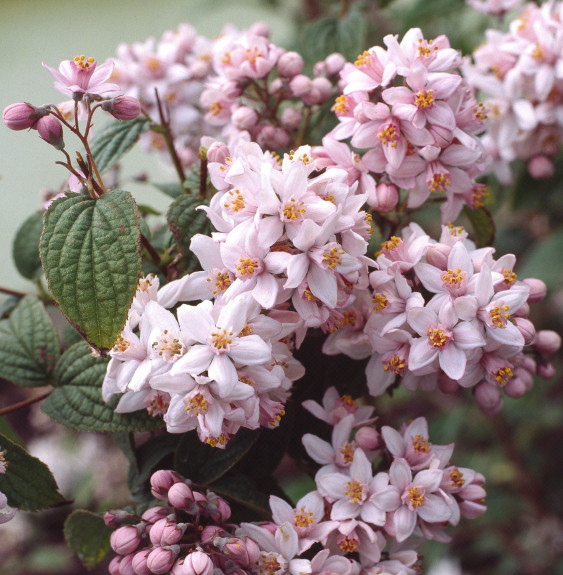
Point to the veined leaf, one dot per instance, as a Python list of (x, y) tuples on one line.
[(25, 249), (87, 535)]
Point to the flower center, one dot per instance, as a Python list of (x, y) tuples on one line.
[(303, 518), (158, 405), (348, 544), (395, 364), (215, 441), (83, 62), (424, 99), (221, 340), (456, 477), (246, 330), (379, 302), (453, 278), (341, 105), (388, 135), (439, 183), (437, 337), (121, 344), (269, 564), (293, 211), (509, 276), (197, 405), (480, 112), (355, 491), (246, 267), (332, 257), (415, 496), (420, 444), (168, 347), (389, 246), (363, 59), (499, 315), (215, 107), (235, 202), (503, 375), (348, 452), (219, 280)]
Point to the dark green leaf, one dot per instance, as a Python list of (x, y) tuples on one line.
[(87, 535), (25, 250), (77, 402), (91, 256), (29, 345), (543, 261), (171, 189), (242, 490), (184, 222), (205, 464), (116, 139), (28, 484), (483, 226)]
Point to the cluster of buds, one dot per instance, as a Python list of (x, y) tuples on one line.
[(519, 72), (495, 7), (6, 512), (239, 83), (442, 313), (418, 120)]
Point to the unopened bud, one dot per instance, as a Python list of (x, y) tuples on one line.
[(437, 255), (243, 552), (447, 384), (22, 116), (387, 197), (273, 138), (334, 63), (245, 118), (290, 64), (520, 384), (300, 85), (161, 559), (153, 514), (320, 92), (260, 29), (547, 342), (51, 130), (180, 496), (538, 289), (546, 370), (165, 532), (526, 328), (126, 565), (218, 509), (541, 167), (123, 107), (139, 562), (291, 118), (488, 398), (368, 438), (126, 539), (196, 563), (116, 517), (161, 481)]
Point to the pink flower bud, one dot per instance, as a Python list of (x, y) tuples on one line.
[(291, 118), (526, 328), (387, 197), (113, 566), (368, 438), (115, 517), (472, 509), (153, 514), (273, 138), (218, 509), (260, 29), (437, 255), (520, 384), (488, 398), (125, 539), (522, 311), (139, 562), (161, 559), (123, 107), (541, 167), (547, 342), (231, 89), (51, 130), (290, 64), (162, 480), (275, 86), (196, 563), (447, 385), (334, 63), (22, 116), (218, 152), (538, 290), (300, 85), (320, 92), (244, 118), (243, 552), (546, 370), (165, 532), (180, 496), (126, 565)]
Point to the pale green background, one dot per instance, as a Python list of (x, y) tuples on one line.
[(32, 31)]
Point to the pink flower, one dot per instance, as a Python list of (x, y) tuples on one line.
[(83, 77)]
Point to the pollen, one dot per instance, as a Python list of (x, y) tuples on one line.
[(83, 62), (364, 59), (379, 302), (215, 441), (348, 452), (416, 498), (247, 266), (221, 340), (437, 337), (395, 364), (215, 107), (456, 477), (390, 245), (252, 54), (332, 257), (121, 344), (145, 283), (293, 210), (455, 230), (246, 330), (424, 99), (197, 405), (329, 198), (348, 545), (341, 105), (509, 276), (499, 315), (355, 491), (3, 462), (158, 405), (479, 194), (303, 518), (425, 48), (389, 135), (277, 418), (268, 564), (168, 347), (421, 444), (537, 52), (503, 375), (439, 183), (480, 112), (453, 278), (235, 202), (221, 281), (348, 400)]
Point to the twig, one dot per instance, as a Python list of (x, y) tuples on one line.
[(12, 292), (25, 403)]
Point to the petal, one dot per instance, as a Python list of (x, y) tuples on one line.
[(223, 371), (404, 521), (250, 350), (435, 509)]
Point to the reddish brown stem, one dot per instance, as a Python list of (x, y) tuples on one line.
[(25, 403)]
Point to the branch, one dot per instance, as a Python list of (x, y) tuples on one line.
[(25, 403)]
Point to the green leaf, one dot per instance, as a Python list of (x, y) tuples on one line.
[(171, 189), (28, 484), (483, 225), (116, 139), (542, 261), (90, 251), (205, 464), (29, 345), (243, 490), (25, 249), (87, 535), (184, 222), (77, 402)]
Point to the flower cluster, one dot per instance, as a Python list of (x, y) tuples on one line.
[(519, 72), (6, 512), (239, 83), (445, 313), (496, 7), (414, 113)]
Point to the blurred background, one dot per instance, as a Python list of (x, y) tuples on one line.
[(519, 451)]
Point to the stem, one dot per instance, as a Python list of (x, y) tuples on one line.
[(152, 252), (25, 403), (344, 8), (202, 173), (12, 292)]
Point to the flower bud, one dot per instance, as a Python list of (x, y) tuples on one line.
[(472, 509), (546, 370), (547, 342), (196, 563), (300, 85), (161, 481), (538, 290), (22, 116), (180, 496), (218, 509), (51, 130), (153, 514), (245, 118), (218, 152), (123, 107), (126, 539), (520, 384), (541, 167), (139, 562), (368, 438), (116, 517), (526, 328), (447, 384), (165, 532), (386, 197), (291, 118), (273, 138), (488, 398), (243, 552), (437, 255), (126, 565), (260, 29), (161, 559), (334, 63), (113, 566), (276, 85), (320, 92), (290, 64)]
